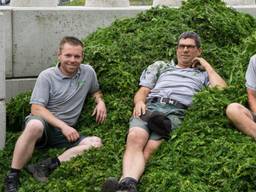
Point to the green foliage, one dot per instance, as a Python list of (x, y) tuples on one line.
[(75, 3), (17, 109), (206, 153)]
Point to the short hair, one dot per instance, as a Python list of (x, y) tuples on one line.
[(191, 35), (70, 40)]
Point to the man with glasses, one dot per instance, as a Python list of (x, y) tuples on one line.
[(165, 92)]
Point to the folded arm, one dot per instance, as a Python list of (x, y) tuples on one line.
[(214, 78)]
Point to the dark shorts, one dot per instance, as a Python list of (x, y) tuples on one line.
[(253, 116), (175, 114), (52, 137)]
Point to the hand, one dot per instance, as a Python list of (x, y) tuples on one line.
[(100, 111), (139, 109), (200, 63), (70, 133)]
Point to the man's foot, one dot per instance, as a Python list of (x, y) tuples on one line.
[(11, 183), (42, 170), (110, 185), (128, 184)]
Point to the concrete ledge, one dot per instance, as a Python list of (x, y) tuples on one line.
[(107, 3), (167, 2), (18, 85), (249, 9), (240, 2), (2, 124)]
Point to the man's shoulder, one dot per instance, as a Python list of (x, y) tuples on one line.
[(86, 67), (161, 66)]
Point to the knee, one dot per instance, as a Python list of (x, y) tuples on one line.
[(136, 140), (233, 109), (34, 129)]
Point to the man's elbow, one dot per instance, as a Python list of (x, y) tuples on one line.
[(35, 109), (220, 86)]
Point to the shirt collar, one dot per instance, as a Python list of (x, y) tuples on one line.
[(59, 73)]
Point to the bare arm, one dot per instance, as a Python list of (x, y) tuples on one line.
[(100, 110), (251, 94), (140, 101), (214, 78), (69, 132)]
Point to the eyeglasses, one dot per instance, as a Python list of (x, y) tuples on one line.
[(189, 47)]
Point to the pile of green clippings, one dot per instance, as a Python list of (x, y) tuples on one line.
[(206, 153)]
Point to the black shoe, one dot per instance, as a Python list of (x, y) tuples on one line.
[(11, 183), (42, 170), (110, 185), (128, 184)]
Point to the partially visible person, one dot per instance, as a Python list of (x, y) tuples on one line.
[(4, 2), (243, 118), (56, 103), (165, 93)]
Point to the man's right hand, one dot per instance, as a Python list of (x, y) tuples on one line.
[(139, 109), (70, 133)]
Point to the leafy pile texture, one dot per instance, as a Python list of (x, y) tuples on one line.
[(206, 153)]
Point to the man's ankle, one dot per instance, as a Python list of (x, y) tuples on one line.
[(15, 171), (129, 180), (55, 161)]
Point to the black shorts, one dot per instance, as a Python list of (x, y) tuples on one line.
[(52, 136)]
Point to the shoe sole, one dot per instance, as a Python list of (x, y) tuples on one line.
[(110, 185)]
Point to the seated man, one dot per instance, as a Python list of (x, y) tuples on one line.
[(56, 103), (165, 92), (243, 118)]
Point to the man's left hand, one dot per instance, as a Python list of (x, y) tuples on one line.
[(200, 63), (100, 111)]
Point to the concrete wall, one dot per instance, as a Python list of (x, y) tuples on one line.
[(2, 83), (34, 3), (107, 3), (34, 33)]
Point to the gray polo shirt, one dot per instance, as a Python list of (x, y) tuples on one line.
[(169, 81), (250, 75), (62, 95)]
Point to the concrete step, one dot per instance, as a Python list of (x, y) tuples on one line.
[(107, 3)]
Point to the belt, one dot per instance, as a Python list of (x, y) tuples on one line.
[(167, 101)]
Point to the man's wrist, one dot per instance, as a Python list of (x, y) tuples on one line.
[(140, 101), (100, 100)]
